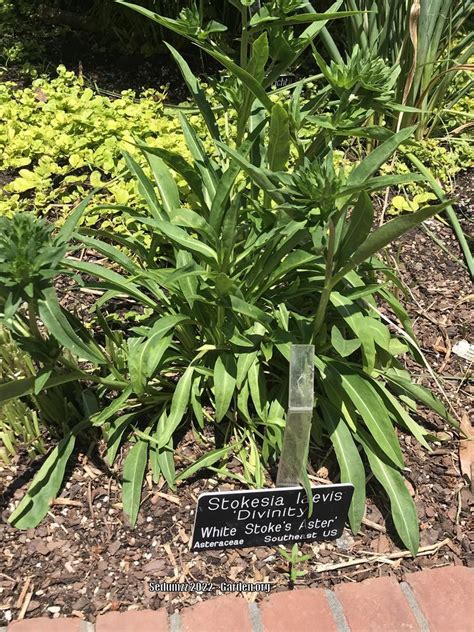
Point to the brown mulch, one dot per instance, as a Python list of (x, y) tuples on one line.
[(84, 559)]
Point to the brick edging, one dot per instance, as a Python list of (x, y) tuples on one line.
[(429, 600)]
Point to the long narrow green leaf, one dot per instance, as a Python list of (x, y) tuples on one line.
[(167, 187), (210, 458), (258, 175), (358, 228), (112, 279), (115, 434), (422, 395), (403, 417), (130, 243), (249, 310), (169, 23), (303, 41), (381, 182), (257, 23), (386, 234), (196, 392), (279, 138), (179, 405), (166, 463), (257, 388), (279, 256), (401, 503), (154, 464), (60, 328), (225, 374), (256, 69), (133, 475), (372, 410), (113, 254), (69, 227), (246, 78), (152, 353), (350, 463), (197, 93), (227, 181), (115, 406), (19, 388), (145, 187), (190, 219), (378, 157), (201, 158), (297, 259), (244, 362), (181, 237), (221, 197), (180, 165), (449, 211), (45, 485), (135, 365), (357, 322)]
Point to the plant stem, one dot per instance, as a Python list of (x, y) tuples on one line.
[(220, 325), (244, 40), (326, 293), (32, 321)]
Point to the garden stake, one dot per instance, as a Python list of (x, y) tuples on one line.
[(300, 412)]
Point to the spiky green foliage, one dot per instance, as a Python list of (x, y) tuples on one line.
[(29, 255), (257, 259)]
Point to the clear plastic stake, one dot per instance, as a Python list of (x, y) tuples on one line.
[(300, 413)]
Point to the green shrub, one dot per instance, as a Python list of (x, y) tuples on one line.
[(38, 375), (258, 256), (59, 139)]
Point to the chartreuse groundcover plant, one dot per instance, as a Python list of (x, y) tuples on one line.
[(265, 253), (59, 138)]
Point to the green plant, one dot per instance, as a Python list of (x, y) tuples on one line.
[(19, 424), (40, 374), (29, 258), (295, 558), (59, 139), (425, 46), (19, 43), (429, 42), (401, 203), (255, 259), (119, 29)]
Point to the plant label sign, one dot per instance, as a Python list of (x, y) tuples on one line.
[(266, 517), (284, 80)]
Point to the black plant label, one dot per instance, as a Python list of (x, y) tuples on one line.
[(284, 80), (267, 517)]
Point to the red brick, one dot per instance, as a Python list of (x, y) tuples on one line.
[(133, 621), (374, 605), (446, 597), (44, 624), (221, 614), (305, 609)]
